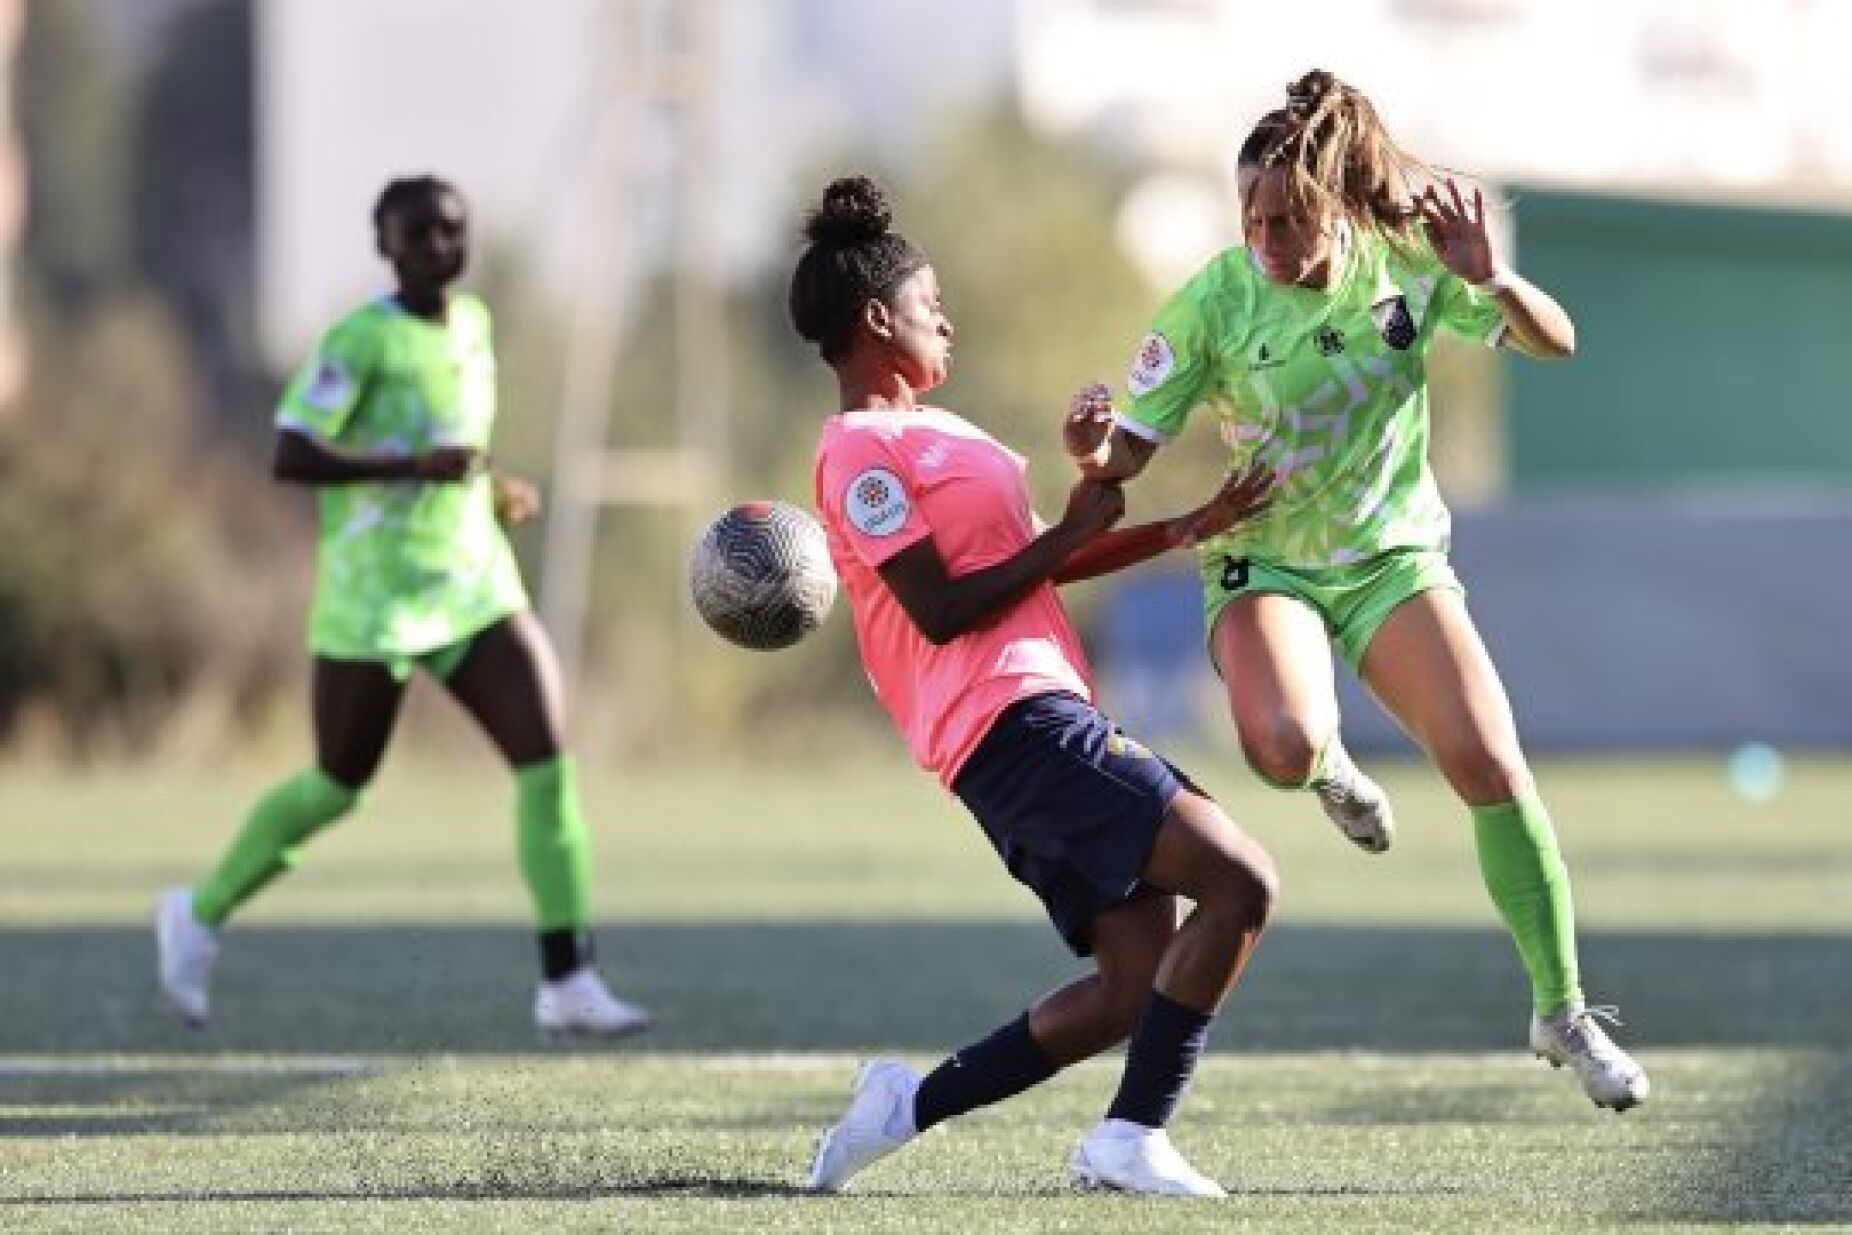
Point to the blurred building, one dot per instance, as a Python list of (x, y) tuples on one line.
[(1712, 99), (506, 99), (1706, 99)]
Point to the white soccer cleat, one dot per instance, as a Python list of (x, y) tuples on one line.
[(581, 1005), (1610, 1077), (187, 949), (1128, 1157), (879, 1121), (1357, 805)]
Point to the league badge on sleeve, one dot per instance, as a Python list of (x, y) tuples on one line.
[(876, 503), (332, 387), (1152, 366)]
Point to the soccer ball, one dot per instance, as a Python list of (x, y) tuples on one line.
[(761, 575)]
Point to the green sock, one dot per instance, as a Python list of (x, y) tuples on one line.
[(271, 840), (1525, 874), (556, 849)]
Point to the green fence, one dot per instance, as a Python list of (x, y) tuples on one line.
[(1715, 348)]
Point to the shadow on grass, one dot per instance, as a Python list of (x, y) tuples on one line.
[(894, 985), (673, 1185), (307, 997)]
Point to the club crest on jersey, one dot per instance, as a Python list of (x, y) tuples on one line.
[(330, 388), (1328, 341), (1395, 323), (876, 503), (1152, 366)]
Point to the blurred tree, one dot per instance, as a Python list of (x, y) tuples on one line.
[(143, 602), (139, 576), (193, 212), (72, 109)]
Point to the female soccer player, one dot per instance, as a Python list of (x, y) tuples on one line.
[(1313, 340), (390, 423), (971, 653)]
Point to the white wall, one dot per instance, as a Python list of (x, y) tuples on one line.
[(500, 96)]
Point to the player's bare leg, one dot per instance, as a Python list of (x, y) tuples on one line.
[(510, 682), (1275, 662), (1203, 857), (1432, 671)]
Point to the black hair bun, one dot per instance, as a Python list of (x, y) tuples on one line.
[(854, 211)]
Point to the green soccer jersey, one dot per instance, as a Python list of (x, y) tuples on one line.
[(404, 567), (1328, 386)]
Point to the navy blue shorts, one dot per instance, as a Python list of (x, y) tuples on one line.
[(1071, 805)]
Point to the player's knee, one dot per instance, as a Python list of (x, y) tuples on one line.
[(1480, 772), (1244, 889), (1257, 888), (1282, 750)]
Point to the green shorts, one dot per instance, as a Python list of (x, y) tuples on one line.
[(440, 663), (1353, 601)]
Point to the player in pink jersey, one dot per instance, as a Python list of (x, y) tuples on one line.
[(969, 649)]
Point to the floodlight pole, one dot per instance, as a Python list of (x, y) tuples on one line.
[(587, 473), (594, 330), (700, 316)]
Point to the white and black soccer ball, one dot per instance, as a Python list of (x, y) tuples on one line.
[(761, 575)]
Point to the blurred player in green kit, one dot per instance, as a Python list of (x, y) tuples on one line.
[(1311, 341), (389, 422)]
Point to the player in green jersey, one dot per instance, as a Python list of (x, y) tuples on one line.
[(389, 423), (1311, 342)]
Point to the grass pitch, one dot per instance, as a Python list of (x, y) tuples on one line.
[(371, 1065)]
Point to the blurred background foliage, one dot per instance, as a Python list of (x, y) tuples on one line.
[(149, 580)]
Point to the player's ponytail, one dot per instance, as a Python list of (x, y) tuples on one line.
[(854, 256), (1339, 156)]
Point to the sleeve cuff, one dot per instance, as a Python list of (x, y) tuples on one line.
[(1139, 429), (296, 424)]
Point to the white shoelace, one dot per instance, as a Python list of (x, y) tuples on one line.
[(1585, 1026), (1335, 792)]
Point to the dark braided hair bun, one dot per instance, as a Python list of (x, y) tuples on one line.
[(854, 211), (854, 256)]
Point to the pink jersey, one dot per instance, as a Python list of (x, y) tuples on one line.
[(889, 479)]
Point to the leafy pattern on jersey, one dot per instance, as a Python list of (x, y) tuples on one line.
[(404, 568)]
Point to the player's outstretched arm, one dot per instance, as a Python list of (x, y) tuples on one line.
[(1538, 325), (305, 460), (944, 606), (1243, 496)]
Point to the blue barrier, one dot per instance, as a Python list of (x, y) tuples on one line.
[(1640, 625)]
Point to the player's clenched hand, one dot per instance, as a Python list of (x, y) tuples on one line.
[(445, 464), (1093, 506), (1088, 424), (516, 500), (1243, 496)]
